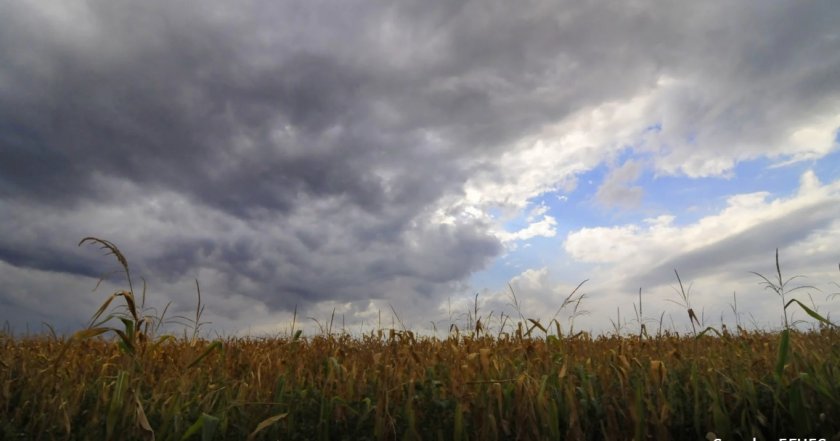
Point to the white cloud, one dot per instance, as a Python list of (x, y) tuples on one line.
[(695, 137), (617, 188), (549, 159), (545, 227), (718, 251), (660, 239), (538, 211), (708, 126)]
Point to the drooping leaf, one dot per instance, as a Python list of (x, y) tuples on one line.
[(267, 423), (811, 312)]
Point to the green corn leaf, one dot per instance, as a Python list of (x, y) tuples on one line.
[(163, 339), (89, 333), (206, 424), (129, 326), (117, 403), (126, 343), (213, 346), (811, 312), (706, 331)]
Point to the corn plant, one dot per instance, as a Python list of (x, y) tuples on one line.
[(780, 286), (685, 302)]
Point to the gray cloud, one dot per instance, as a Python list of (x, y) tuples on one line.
[(301, 148)]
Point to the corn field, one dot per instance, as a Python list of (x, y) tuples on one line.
[(125, 382), (391, 385)]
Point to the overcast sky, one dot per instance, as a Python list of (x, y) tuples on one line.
[(369, 157)]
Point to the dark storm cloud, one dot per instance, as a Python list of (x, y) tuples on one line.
[(301, 148), (45, 258), (161, 121), (185, 99)]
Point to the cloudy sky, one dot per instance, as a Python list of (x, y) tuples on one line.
[(367, 157)]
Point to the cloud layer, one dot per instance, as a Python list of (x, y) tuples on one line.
[(330, 153)]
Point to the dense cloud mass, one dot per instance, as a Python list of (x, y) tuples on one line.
[(300, 152)]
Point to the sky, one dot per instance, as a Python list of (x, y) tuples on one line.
[(406, 163)]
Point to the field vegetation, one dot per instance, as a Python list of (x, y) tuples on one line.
[(121, 378)]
